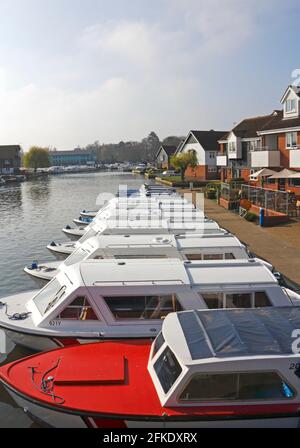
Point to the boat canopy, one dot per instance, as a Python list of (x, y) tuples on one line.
[(239, 332)]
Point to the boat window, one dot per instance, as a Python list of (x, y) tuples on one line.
[(211, 387), (79, 309), (242, 300), (212, 256), (263, 385), (236, 386), (49, 296), (192, 257), (213, 300), (261, 299), (138, 256), (229, 256), (167, 369), (142, 307), (158, 343), (76, 256)]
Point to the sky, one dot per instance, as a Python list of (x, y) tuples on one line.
[(76, 71)]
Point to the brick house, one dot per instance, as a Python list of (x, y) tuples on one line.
[(270, 141), (10, 159), (236, 146), (205, 144)]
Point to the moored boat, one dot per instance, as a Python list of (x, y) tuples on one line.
[(185, 247), (213, 368), (129, 298)]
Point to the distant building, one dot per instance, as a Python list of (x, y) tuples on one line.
[(164, 155), (75, 157), (10, 159), (205, 145)]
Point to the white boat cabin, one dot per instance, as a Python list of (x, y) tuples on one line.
[(122, 296), (227, 358), (184, 247)]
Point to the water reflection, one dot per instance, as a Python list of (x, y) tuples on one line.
[(32, 214), (38, 190)]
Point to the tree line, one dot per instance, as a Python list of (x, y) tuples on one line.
[(130, 151)]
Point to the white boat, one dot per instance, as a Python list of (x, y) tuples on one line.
[(120, 209), (106, 299), (62, 250), (185, 247), (88, 213), (83, 221), (206, 369)]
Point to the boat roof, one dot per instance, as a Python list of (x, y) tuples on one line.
[(180, 242), (232, 333), (174, 271), (144, 225)]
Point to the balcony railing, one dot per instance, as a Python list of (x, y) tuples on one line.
[(264, 148)]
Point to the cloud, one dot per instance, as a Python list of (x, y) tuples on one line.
[(122, 78)]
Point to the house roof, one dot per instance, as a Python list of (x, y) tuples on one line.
[(248, 127), (208, 139), (279, 122), (169, 150), (296, 89)]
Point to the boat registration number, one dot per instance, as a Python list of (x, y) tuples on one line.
[(55, 323)]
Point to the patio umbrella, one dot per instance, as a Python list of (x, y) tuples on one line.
[(265, 172), (283, 174)]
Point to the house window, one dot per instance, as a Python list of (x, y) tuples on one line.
[(212, 155), (142, 307), (231, 147), (79, 309), (291, 139), (236, 386), (290, 106), (294, 182)]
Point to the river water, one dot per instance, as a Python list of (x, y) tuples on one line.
[(32, 214)]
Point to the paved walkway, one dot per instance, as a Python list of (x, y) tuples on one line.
[(279, 245)]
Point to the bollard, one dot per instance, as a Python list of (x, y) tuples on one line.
[(261, 217)]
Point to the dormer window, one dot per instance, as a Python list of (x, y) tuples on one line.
[(290, 106)]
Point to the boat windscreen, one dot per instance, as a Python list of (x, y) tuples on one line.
[(167, 369), (49, 296), (79, 255), (89, 234)]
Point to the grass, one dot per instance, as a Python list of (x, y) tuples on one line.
[(171, 178)]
